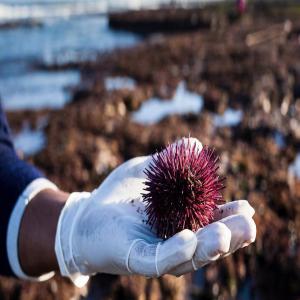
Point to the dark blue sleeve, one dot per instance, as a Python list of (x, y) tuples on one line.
[(15, 175)]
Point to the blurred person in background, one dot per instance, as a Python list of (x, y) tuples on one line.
[(44, 229), (241, 6)]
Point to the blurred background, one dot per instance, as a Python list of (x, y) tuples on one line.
[(89, 84)]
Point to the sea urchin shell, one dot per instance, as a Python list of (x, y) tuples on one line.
[(182, 188)]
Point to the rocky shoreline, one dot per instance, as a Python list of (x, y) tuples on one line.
[(250, 64)]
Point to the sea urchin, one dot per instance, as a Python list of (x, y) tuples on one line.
[(182, 188)]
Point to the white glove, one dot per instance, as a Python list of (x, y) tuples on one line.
[(106, 232)]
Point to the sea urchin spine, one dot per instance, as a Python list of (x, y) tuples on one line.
[(182, 188)]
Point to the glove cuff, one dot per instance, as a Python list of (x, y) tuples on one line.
[(63, 239)]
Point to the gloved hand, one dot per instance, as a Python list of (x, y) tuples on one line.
[(233, 228), (106, 231)]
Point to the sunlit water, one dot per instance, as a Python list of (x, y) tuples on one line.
[(37, 90), (30, 141), (119, 83), (184, 102), (279, 139), (154, 109), (231, 117), (67, 31), (294, 168), (58, 41)]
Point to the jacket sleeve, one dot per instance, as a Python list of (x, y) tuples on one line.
[(15, 176)]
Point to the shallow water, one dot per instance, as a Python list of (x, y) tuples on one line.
[(294, 168), (154, 110), (279, 139), (67, 31), (29, 141), (36, 90), (58, 41), (230, 117), (61, 40), (119, 83), (17, 10)]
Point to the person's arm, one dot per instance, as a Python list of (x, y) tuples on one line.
[(37, 232), (19, 183)]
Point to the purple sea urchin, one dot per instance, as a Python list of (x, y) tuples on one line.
[(182, 188)]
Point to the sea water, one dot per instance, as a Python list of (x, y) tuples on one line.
[(57, 41), (183, 102), (52, 32)]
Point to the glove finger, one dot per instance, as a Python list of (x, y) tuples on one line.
[(157, 259), (238, 207), (243, 231), (212, 241), (191, 142)]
